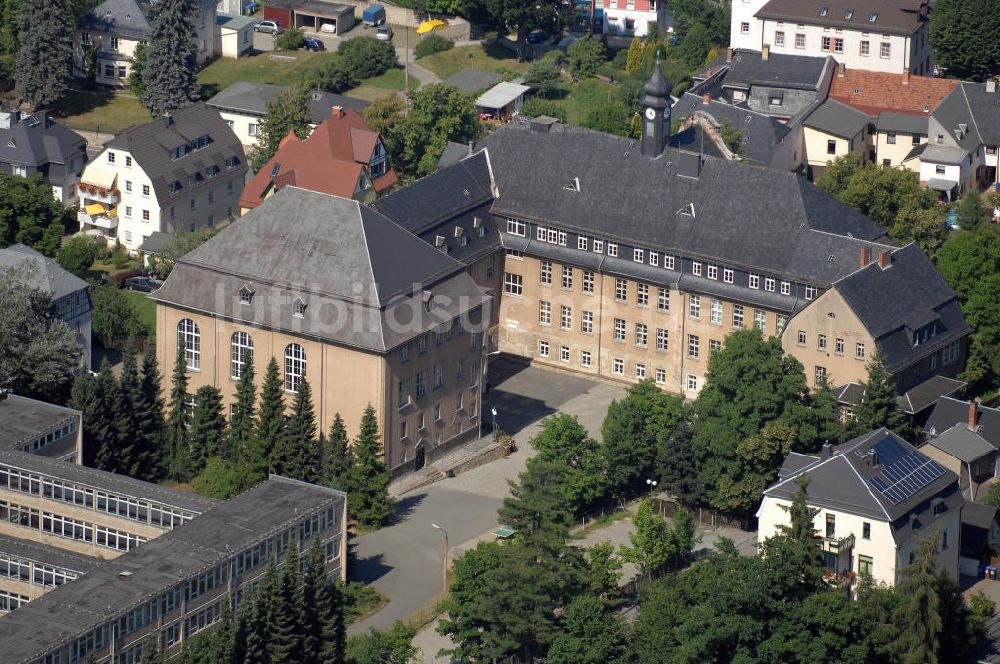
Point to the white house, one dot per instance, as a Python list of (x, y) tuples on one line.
[(115, 27), (178, 173), (877, 498), (880, 35)]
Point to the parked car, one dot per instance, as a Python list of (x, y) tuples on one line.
[(383, 33), (313, 44), (268, 26), (328, 27), (536, 36), (143, 284)]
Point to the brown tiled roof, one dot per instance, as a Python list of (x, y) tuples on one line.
[(873, 91), (891, 16), (329, 161)]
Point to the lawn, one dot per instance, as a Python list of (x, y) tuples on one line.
[(146, 309), (379, 86), (100, 111), (489, 57), (583, 97), (258, 69)]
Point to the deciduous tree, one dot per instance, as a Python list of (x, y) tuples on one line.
[(563, 440), (590, 634), (30, 215), (438, 113), (288, 113)]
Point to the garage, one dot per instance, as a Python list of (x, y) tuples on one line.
[(320, 16)]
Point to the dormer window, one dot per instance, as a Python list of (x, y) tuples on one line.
[(299, 308), (849, 14), (175, 186), (232, 162), (246, 295), (824, 11), (873, 17)]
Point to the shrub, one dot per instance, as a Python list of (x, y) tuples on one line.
[(586, 57), (79, 254), (289, 40), (543, 75), (334, 75), (367, 57), (612, 118), (432, 44), (536, 106)]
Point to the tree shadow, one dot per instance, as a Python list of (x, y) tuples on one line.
[(404, 507), (514, 411), (209, 90), (81, 100), (371, 569)]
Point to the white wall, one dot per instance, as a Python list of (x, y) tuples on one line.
[(617, 27), (240, 124), (743, 11)]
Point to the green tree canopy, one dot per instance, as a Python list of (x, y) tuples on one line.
[(966, 37), (585, 57), (589, 634), (30, 215), (878, 407), (79, 254), (563, 440), (114, 319), (367, 56), (169, 71), (206, 437), (368, 486), (287, 113), (45, 56), (438, 113)]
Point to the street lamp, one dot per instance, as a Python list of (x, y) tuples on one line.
[(444, 578), (496, 427), (652, 486)]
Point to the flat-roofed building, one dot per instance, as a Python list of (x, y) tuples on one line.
[(173, 587), (29, 569), (41, 428)]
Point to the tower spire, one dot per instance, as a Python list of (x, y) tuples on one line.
[(656, 113)]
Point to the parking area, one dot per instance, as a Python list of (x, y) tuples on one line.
[(264, 42)]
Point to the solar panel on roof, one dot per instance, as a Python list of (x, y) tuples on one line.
[(905, 476), (889, 450)]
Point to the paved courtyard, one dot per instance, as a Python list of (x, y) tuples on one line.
[(404, 560)]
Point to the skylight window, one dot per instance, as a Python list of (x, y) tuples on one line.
[(275, 169), (824, 11), (849, 14), (873, 17), (299, 308)]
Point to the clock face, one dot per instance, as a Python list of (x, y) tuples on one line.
[(650, 113)]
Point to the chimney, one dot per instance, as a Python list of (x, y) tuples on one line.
[(972, 414), (885, 259), (168, 119), (765, 51), (827, 451), (337, 112), (316, 94), (9, 118), (729, 55), (841, 68), (991, 85), (906, 78), (866, 256), (706, 99), (471, 144)]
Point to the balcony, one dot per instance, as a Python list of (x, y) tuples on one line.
[(108, 219), (838, 545)]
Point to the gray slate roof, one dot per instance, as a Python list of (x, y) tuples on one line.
[(252, 98), (449, 198), (761, 135), (911, 295), (151, 144), (48, 276), (128, 18), (979, 515), (473, 80), (894, 16), (985, 107), (156, 242), (842, 482), (837, 119), (902, 122), (949, 411), (767, 219), (961, 443), (923, 396), (360, 275), (37, 140), (25, 419), (104, 594), (452, 154), (780, 70), (954, 111), (849, 393)]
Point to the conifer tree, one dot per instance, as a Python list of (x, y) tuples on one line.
[(176, 437), (286, 631), (45, 56), (323, 612), (112, 427), (83, 397), (149, 421), (223, 638), (267, 602), (270, 421), (918, 617), (337, 455), (242, 629), (241, 425), (368, 486), (151, 654), (169, 72), (878, 406), (130, 457), (297, 454), (635, 53), (255, 630), (207, 428)]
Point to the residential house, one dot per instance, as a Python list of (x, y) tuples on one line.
[(243, 106), (877, 35), (980, 538), (965, 437), (339, 294), (35, 144), (182, 172), (833, 130), (627, 18), (899, 104), (778, 85), (877, 498), (892, 301), (69, 293), (341, 157), (112, 30), (41, 428), (964, 134)]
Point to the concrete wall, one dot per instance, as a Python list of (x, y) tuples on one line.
[(458, 28)]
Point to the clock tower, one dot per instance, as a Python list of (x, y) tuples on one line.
[(656, 113)]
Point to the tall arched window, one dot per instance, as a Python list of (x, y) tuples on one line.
[(295, 366), (189, 339), (241, 345)]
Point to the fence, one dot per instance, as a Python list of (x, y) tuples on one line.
[(705, 516)]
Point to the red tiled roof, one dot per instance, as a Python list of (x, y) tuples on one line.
[(873, 92), (329, 161)]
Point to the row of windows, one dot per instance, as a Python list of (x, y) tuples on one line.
[(471, 407), (739, 313), (39, 574), (63, 526), (144, 511), (440, 336), (617, 364), (10, 601), (50, 438), (838, 344), (406, 386)]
